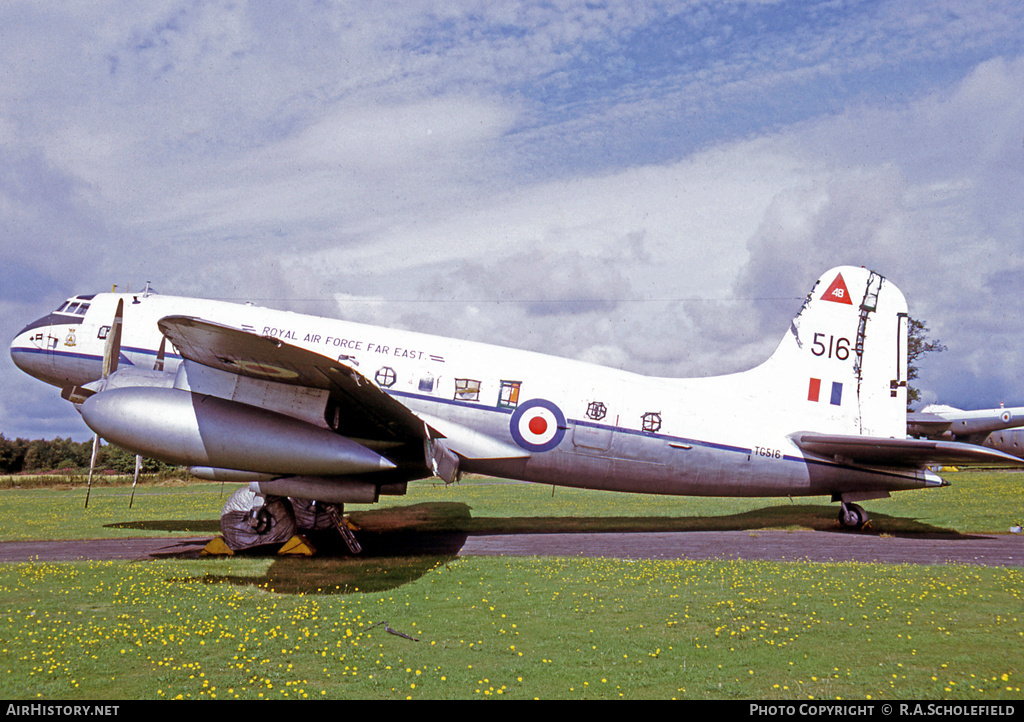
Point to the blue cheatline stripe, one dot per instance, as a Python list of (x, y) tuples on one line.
[(807, 461), (577, 422), (91, 356), (837, 393)]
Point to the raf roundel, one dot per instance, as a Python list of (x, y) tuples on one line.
[(262, 370), (537, 425)]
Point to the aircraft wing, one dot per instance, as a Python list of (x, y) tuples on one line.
[(877, 451), (368, 411), (270, 359)]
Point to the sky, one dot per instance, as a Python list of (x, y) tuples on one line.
[(649, 185)]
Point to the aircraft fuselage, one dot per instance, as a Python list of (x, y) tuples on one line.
[(572, 423)]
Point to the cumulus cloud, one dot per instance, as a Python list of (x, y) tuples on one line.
[(653, 187)]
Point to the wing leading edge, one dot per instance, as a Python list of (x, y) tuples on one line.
[(906, 453)]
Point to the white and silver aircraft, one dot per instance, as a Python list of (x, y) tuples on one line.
[(327, 412), (994, 428)]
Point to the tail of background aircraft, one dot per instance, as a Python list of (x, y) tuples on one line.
[(842, 367)]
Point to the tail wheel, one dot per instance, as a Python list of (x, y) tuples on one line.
[(851, 516)]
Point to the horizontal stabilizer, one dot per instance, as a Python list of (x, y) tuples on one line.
[(877, 451)]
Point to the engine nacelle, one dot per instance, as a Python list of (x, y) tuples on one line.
[(189, 429), (332, 491)]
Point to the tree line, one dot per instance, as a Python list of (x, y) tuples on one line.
[(42, 455)]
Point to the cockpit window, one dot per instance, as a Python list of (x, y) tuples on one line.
[(73, 307)]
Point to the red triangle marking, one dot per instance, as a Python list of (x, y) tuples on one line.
[(837, 292)]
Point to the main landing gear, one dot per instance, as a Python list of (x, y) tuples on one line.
[(852, 516), (250, 520)]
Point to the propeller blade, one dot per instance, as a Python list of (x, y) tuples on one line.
[(159, 365), (113, 348), (111, 355), (92, 467), (138, 469)]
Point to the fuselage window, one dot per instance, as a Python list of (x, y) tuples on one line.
[(596, 410), (467, 390), (509, 394), (385, 376)]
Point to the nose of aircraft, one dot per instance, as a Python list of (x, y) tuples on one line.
[(30, 352), (49, 349)]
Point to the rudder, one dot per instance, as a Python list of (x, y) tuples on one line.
[(842, 367)]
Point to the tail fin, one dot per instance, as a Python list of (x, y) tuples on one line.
[(842, 367)]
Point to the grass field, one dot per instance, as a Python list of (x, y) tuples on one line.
[(268, 627), (975, 502)]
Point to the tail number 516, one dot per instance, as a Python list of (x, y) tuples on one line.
[(831, 347)]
